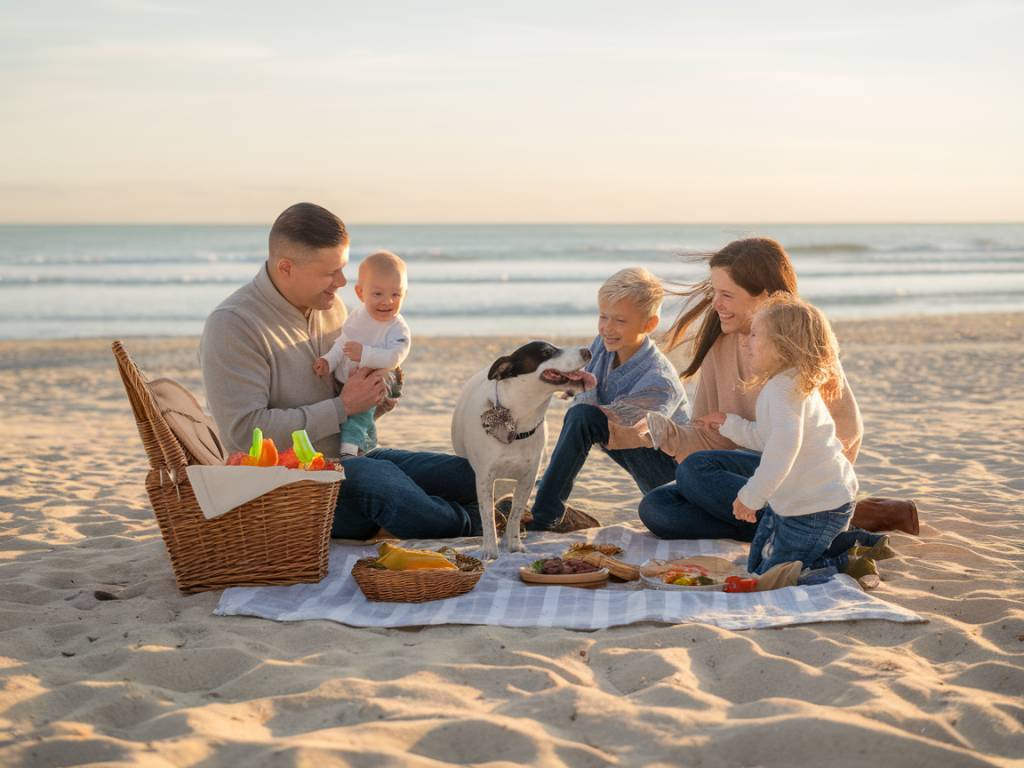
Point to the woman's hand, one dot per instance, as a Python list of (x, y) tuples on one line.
[(742, 512), (656, 426), (710, 422), (624, 436)]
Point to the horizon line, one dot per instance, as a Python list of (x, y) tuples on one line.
[(415, 223)]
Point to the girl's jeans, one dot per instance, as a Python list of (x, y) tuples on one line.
[(698, 505), (806, 538)]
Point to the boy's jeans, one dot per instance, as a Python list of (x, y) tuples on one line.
[(585, 426), (806, 538), (413, 494)]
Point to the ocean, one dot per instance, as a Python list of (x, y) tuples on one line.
[(529, 280)]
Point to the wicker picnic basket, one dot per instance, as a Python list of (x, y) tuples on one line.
[(416, 586), (281, 537)]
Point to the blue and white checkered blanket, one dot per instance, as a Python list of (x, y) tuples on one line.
[(500, 597)]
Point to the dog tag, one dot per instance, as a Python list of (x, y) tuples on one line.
[(498, 422)]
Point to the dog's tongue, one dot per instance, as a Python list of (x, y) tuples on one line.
[(574, 375)]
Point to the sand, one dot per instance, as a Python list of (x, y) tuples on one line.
[(152, 678)]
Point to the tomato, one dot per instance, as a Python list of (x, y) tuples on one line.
[(740, 584)]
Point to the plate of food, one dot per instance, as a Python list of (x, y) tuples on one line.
[(570, 572), (688, 576)]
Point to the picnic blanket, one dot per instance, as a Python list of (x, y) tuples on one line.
[(500, 597)]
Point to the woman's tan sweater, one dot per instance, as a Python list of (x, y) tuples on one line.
[(719, 389)]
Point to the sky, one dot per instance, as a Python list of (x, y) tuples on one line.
[(684, 111)]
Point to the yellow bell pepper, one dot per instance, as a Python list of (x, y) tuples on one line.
[(401, 559)]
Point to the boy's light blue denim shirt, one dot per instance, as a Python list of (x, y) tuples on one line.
[(646, 382)]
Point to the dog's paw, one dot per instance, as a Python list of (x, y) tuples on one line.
[(516, 546)]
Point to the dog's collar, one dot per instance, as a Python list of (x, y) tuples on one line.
[(524, 435)]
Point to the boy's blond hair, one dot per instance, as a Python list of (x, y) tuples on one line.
[(382, 263), (634, 284), (801, 338)]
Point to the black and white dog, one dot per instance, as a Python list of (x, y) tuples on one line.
[(498, 425)]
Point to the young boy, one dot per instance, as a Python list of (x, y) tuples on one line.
[(634, 378), (374, 336)]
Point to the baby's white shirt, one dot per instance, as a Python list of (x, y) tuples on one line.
[(803, 469), (385, 344)]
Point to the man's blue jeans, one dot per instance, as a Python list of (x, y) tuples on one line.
[(585, 426), (413, 494), (698, 505)]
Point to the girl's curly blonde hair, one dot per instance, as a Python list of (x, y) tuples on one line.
[(801, 338)]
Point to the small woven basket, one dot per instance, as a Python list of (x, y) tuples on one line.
[(281, 537), (416, 586)]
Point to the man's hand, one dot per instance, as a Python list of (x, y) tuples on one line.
[(710, 422), (353, 350), (742, 512), (365, 388)]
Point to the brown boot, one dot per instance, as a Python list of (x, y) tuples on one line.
[(878, 514), (575, 520), (880, 550), (865, 571)]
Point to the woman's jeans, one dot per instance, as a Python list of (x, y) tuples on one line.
[(806, 538), (698, 505), (584, 427), (412, 494)]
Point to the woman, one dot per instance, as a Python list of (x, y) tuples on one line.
[(743, 274)]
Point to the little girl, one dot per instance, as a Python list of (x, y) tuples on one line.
[(804, 483)]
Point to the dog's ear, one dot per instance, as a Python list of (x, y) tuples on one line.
[(501, 368)]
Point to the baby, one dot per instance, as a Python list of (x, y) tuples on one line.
[(374, 336)]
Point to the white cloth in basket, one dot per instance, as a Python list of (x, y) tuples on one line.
[(220, 489)]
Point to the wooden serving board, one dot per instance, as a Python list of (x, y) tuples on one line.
[(592, 579)]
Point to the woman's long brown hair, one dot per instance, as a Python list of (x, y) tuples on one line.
[(756, 264)]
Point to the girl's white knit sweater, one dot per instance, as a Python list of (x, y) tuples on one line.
[(802, 467)]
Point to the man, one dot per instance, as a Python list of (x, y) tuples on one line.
[(257, 353)]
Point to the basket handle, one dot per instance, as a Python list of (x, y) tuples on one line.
[(164, 451)]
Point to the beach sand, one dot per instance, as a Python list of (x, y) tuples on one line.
[(152, 678)]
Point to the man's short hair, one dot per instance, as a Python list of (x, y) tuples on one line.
[(310, 225), (636, 285)]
